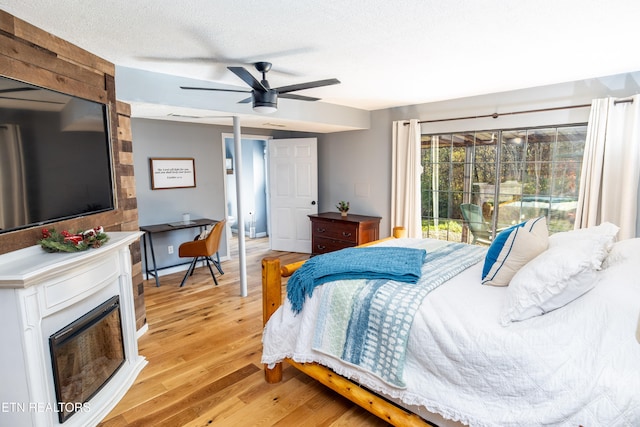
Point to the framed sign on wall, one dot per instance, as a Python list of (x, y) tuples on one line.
[(172, 173)]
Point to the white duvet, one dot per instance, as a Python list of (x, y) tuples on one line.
[(578, 365)]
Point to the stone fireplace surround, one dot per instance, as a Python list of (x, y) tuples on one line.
[(41, 293)]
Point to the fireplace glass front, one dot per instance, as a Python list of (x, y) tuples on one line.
[(85, 355)]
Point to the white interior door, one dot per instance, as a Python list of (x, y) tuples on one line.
[(293, 192)]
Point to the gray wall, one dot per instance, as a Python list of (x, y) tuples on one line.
[(154, 138), (356, 167)]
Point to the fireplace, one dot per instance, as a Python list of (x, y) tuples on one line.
[(85, 354), (69, 336)]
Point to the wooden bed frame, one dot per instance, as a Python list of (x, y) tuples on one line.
[(272, 274)]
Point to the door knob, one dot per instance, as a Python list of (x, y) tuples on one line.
[(313, 202)]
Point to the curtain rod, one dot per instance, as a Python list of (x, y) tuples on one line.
[(540, 110), (623, 101), (496, 115)]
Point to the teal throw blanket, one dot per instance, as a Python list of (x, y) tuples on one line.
[(389, 263)]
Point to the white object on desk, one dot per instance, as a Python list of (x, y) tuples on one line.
[(186, 218)]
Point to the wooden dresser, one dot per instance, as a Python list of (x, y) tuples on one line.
[(330, 231)]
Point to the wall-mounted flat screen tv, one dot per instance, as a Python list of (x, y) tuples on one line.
[(55, 156)]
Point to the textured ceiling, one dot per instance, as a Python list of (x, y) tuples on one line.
[(385, 53)]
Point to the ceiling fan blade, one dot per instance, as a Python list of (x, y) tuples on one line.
[(211, 88), (248, 78), (246, 100), (298, 97), (308, 85)]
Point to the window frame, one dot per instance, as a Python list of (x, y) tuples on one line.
[(522, 165)]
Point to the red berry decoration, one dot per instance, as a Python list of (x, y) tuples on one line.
[(64, 241)]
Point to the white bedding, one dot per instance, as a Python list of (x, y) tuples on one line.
[(577, 365)]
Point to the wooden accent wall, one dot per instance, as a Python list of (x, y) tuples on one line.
[(34, 56)]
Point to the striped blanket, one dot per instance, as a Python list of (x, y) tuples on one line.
[(366, 322)]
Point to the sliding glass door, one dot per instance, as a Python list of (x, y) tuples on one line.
[(499, 178)]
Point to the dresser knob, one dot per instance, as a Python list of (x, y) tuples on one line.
[(320, 230), (345, 234), (321, 247)]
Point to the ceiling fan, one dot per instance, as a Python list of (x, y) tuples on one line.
[(265, 98)]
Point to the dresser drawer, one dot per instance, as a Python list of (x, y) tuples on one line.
[(323, 245), (345, 231), (331, 231)]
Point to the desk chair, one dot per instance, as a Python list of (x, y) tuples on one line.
[(480, 229), (203, 248)]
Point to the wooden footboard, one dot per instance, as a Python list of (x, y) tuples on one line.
[(272, 274)]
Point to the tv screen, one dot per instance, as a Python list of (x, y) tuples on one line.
[(55, 156)]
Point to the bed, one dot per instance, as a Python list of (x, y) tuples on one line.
[(554, 345)]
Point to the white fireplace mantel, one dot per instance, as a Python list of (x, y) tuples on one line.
[(40, 293)]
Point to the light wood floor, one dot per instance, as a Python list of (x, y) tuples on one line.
[(203, 347)]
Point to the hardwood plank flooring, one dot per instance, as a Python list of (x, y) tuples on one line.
[(203, 350)]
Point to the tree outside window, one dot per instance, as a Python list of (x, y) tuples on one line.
[(511, 175)]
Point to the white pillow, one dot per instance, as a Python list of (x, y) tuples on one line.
[(513, 248), (603, 236), (622, 251), (560, 274), (604, 229), (205, 233)]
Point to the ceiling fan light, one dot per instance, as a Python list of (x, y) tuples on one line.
[(265, 109), (265, 102)]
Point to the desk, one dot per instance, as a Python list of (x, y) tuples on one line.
[(150, 230)]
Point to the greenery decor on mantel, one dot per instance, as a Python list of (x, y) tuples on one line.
[(64, 241), (343, 207)]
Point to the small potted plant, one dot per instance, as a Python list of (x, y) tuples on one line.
[(343, 207)]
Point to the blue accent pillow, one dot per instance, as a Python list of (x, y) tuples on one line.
[(512, 249)]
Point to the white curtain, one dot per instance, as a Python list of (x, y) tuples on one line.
[(13, 187), (611, 167), (405, 178)]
